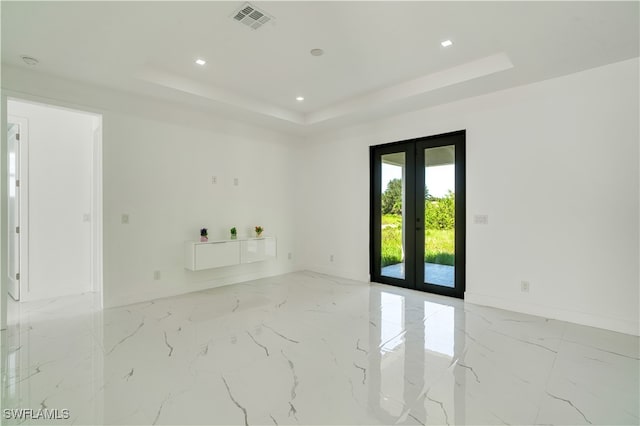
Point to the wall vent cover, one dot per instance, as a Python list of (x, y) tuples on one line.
[(252, 16)]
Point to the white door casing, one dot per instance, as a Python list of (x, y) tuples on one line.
[(13, 208)]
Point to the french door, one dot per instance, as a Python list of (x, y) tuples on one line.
[(417, 214)]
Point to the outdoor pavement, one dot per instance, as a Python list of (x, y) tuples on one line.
[(434, 274)]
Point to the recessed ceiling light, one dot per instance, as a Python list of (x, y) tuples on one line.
[(446, 43), (299, 99), (30, 61), (317, 52), (200, 61)]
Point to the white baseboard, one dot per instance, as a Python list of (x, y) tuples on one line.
[(130, 299), (340, 273), (583, 318)]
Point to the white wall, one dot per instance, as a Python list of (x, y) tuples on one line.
[(158, 160), (554, 165), (160, 174), (60, 155)]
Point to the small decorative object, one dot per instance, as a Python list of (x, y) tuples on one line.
[(259, 230), (234, 233), (204, 235)]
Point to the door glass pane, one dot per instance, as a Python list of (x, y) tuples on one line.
[(392, 204), (439, 220)]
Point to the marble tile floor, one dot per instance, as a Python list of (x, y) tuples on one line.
[(306, 348)]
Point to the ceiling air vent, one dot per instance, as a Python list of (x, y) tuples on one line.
[(251, 16)]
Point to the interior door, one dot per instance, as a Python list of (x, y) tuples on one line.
[(417, 219), (13, 166)]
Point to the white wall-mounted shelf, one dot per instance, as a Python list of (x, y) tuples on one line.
[(218, 253)]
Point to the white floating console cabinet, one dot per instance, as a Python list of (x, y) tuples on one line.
[(219, 253), (212, 254), (257, 249)]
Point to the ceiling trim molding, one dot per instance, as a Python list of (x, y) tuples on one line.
[(421, 85), (216, 94), (455, 75)]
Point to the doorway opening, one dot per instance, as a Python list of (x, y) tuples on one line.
[(54, 164), (417, 214)]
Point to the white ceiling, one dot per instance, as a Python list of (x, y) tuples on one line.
[(381, 57)]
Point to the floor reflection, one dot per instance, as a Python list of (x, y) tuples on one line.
[(392, 352), (440, 339), (52, 360), (413, 352)]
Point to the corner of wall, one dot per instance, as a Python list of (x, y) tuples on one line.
[(613, 324)]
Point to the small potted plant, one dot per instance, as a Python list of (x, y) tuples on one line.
[(234, 233), (204, 235), (259, 230)]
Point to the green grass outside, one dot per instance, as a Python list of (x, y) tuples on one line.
[(391, 219), (391, 246), (439, 244)]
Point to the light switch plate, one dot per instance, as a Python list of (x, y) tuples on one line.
[(481, 219)]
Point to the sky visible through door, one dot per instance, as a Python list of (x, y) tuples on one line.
[(442, 178)]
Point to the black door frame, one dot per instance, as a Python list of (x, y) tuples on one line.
[(414, 212)]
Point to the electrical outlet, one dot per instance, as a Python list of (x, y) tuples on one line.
[(125, 219), (290, 256), (524, 286), (156, 275), (236, 181), (214, 179), (330, 258)]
